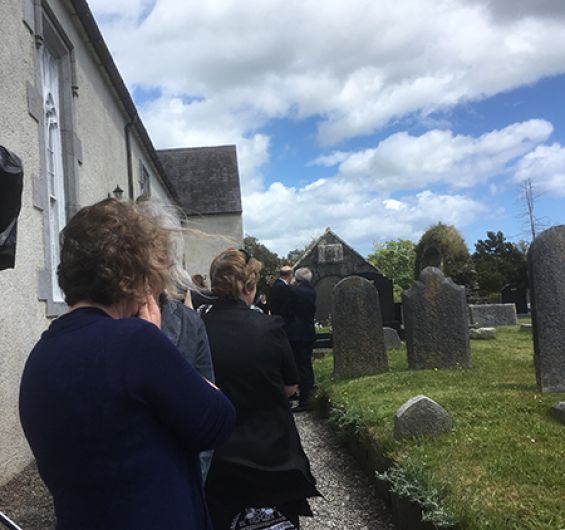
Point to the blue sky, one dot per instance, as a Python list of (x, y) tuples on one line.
[(376, 119)]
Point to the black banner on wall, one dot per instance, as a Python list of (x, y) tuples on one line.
[(11, 185)]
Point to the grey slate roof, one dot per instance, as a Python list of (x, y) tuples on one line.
[(205, 178)]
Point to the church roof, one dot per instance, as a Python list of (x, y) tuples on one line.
[(205, 178), (311, 254)]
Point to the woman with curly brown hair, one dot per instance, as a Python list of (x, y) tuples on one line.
[(114, 414), (261, 477)]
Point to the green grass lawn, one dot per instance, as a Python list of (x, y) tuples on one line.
[(503, 465)]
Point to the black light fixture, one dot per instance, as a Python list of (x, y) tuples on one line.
[(118, 192)]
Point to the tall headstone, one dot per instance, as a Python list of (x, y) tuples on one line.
[(358, 341), (546, 261), (436, 322)]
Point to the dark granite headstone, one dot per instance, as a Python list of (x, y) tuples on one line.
[(546, 261), (517, 296), (358, 339), (436, 323)]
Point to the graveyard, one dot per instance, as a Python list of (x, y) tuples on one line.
[(501, 465)]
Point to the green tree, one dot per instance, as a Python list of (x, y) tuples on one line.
[(396, 260), (293, 256), (442, 246), (271, 262), (498, 263)]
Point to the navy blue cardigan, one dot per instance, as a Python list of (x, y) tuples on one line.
[(115, 417)]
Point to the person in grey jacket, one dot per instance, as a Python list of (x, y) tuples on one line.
[(186, 330), (182, 325)]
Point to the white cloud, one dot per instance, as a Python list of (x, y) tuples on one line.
[(512, 9), (353, 65), (402, 161), (545, 166), (285, 217), (225, 68), (174, 123)]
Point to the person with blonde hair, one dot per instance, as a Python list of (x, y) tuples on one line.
[(114, 415), (260, 477)]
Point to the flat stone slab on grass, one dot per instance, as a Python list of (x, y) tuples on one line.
[(392, 340), (486, 315), (526, 327), (557, 411), (482, 333), (421, 416)]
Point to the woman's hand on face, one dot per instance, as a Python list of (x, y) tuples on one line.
[(290, 390), (150, 311)]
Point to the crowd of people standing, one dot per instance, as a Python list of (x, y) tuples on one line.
[(143, 413), (294, 299)]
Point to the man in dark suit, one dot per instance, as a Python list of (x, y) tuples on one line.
[(302, 333), (280, 295)]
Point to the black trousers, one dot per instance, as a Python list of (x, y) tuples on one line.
[(303, 358)]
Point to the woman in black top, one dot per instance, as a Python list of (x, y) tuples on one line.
[(263, 464)]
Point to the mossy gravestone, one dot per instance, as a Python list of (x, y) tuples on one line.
[(546, 259), (436, 322), (358, 341)]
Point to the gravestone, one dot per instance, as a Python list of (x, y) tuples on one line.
[(546, 263), (331, 260), (517, 296), (482, 333), (392, 340), (358, 341), (436, 323), (488, 315), (421, 416), (557, 411)]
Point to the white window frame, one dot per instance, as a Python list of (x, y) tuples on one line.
[(51, 103), (55, 173)]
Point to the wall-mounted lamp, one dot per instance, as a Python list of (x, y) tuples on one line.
[(118, 192)]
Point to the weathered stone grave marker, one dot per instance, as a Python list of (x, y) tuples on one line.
[(487, 315), (436, 322), (392, 340), (546, 261), (358, 342), (421, 416)]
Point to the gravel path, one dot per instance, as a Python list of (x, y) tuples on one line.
[(350, 501), (27, 502)]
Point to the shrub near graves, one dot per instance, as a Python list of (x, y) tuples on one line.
[(502, 466)]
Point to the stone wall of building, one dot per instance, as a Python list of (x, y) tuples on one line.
[(207, 237), (100, 163)]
